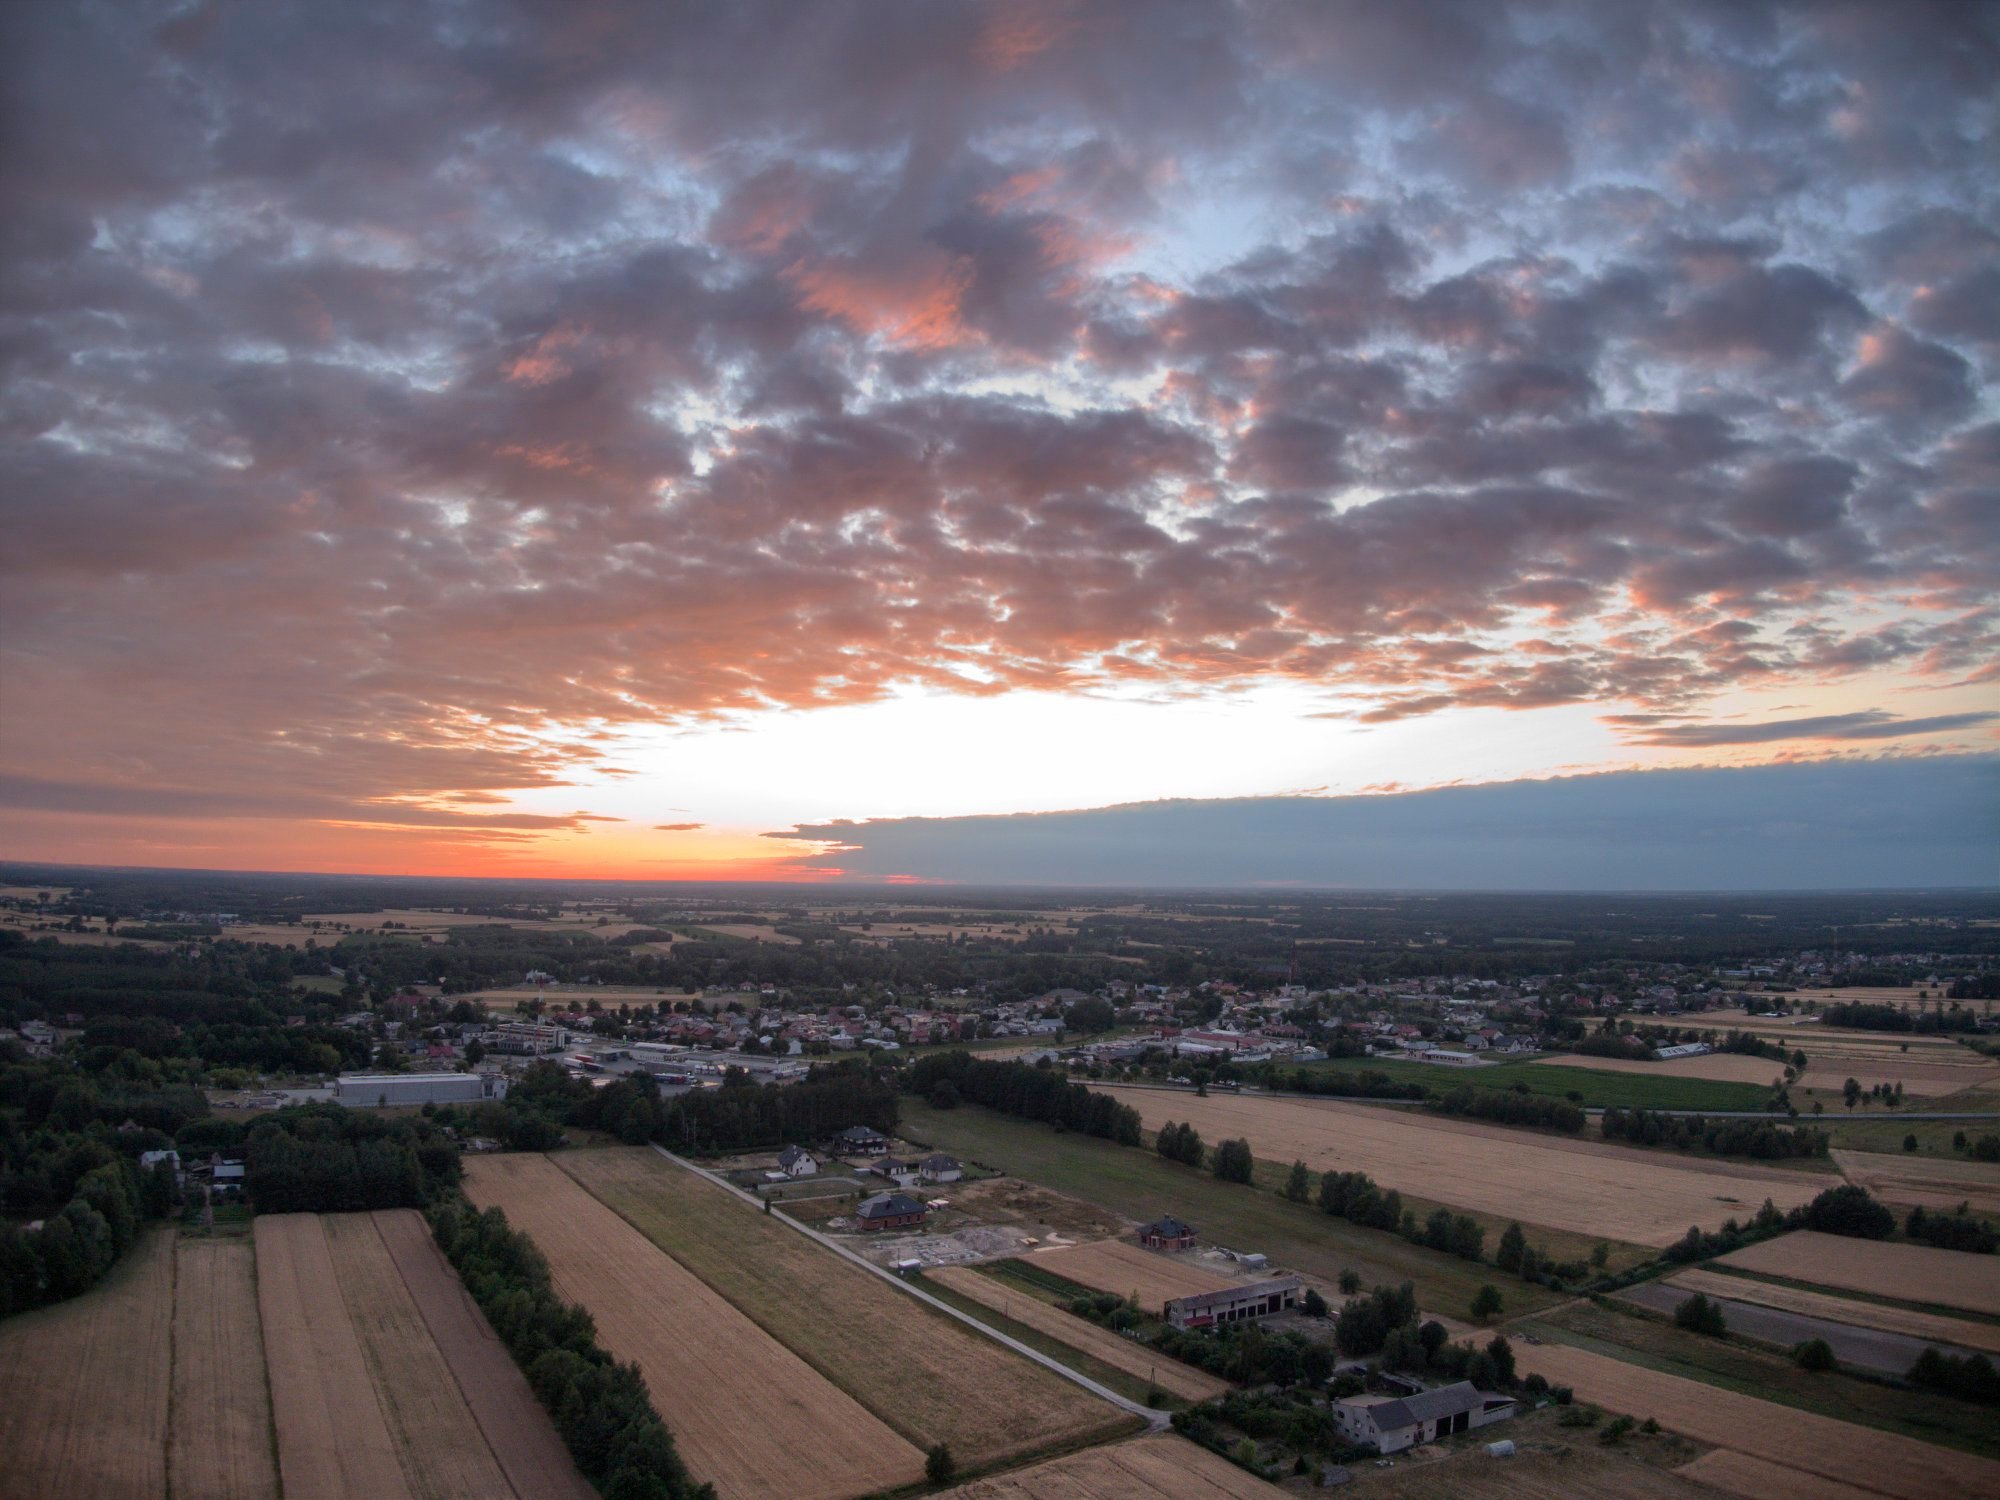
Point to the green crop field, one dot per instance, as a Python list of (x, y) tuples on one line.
[(1597, 1089), (1141, 1185)]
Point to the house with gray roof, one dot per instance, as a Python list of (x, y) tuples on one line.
[(1389, 1424)]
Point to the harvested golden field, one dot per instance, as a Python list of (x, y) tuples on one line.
[(1913, 1273), (1169, 1375), (1883, 1463), (1757, 1479), (83, 1387), (515, 1426), (439, 1443), (332, 1439), (927, 1376), (1543, 1469), (1727, 1067), (1926, 1066), (220, 1445), (1933, 1182), (1921, 1325), (1162, 1466), (1121, 1267), (1585, 1187), (755, 932), (714, 1374)]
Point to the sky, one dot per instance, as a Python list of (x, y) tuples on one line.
[(579, 437)]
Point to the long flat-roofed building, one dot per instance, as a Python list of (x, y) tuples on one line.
[(1236, 1304), (373, 1090)]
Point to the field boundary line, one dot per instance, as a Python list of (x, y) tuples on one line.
[(1156, 1421)]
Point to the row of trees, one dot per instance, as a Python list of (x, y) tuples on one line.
[(1181, 1143), (1513, 1107), (1028, 1093), (600, 1407), (1952, 1231), (1900, 1018), (1846, 1210), (1756, 1138), (73, 1250)]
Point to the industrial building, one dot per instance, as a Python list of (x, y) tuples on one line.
[(1236, 1304), (373, 1090)]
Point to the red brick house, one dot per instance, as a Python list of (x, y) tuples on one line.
[(1167, 1233), (891, 1211)]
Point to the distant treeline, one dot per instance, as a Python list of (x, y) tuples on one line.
[(1756, 1138), (1025, 1092), (600, 1407)]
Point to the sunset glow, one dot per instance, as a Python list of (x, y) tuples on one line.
[(594, 439)]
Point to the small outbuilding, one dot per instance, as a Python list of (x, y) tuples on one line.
[(1167, 1233)]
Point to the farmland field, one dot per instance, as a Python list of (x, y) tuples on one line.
[(1724, 1067), (926, 1376), (520, 1433), (1162, 1467), (1909, 1179), (1927, 1066), (1637, 1086), (220, 1444), (332, 1439), (1139, 1186), (85, 1411), (1117, 1267), (1815, 1447), (1933, 1326), (437, 1439), (1548, 1464), (1759, 1479), (1647, 1197), (1170, 1375), (714, 1374), (1914, 1273)]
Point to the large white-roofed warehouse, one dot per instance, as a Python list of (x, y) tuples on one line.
[(375, 1090)]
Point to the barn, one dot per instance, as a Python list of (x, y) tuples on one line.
[(371, 1090), (1389, 1424)]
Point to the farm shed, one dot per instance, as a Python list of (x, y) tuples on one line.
[(1236, 1304), (890, 1211), (369, 1090), (1167, 1233), (1389, 1424)]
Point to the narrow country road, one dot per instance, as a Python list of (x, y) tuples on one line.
[(1156, 1421)]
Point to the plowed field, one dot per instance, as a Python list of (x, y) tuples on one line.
[(1913, 1273), (83, 1387)]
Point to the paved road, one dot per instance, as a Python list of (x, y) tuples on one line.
[(1869, 1348), (1156, 1421)]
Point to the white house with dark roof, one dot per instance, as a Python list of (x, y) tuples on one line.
[(796, 1161), (1389, 1424), (938, 1167)]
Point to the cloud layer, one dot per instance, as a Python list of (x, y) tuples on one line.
[(1832, 825), (401, 399)]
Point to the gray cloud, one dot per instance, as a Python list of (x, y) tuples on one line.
[(1871, 724), (1931, 822)]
